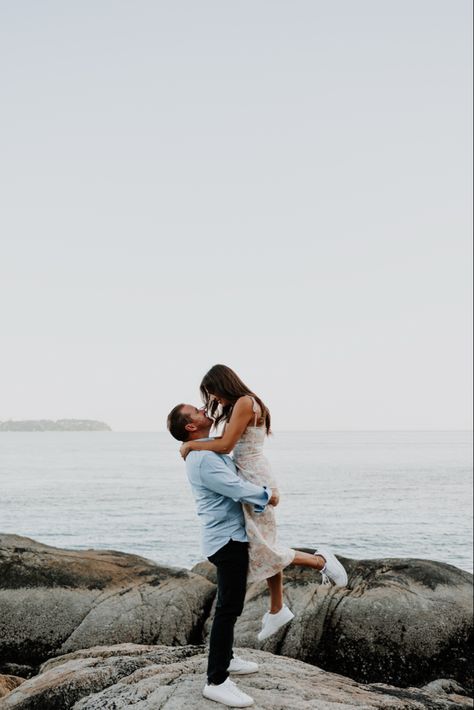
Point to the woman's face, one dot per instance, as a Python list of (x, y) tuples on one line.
[(223, 402)]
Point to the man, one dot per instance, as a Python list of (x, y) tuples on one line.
[(219, 492)]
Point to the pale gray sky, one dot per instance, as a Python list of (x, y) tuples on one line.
[(280, 186)]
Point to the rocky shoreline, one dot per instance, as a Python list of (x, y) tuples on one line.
[(96, 629)]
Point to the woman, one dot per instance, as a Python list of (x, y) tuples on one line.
[(247, 422)]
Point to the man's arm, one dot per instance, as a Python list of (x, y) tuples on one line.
[(220, 478)]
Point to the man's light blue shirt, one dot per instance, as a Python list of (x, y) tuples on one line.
[(219, 492)]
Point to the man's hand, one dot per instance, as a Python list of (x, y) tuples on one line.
[(184, 450), (275, 499)]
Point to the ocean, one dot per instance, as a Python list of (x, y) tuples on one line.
[(366, 494)]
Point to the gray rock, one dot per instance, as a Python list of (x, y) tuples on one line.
[(154, 678), (53, 601), (444, 685), (9, 683), (405, 622)]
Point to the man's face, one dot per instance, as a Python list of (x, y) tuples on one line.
[(198, 420)]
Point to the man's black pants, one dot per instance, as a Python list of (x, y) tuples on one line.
[(232, 563)]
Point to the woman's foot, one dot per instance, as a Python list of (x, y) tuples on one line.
[(332, 570), (273, 622)]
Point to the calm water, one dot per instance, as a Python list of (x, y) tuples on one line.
[(367, 494)]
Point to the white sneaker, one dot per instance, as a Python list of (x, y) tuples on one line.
[(238, 666), (228, 694), (273, 622), (332, 570)]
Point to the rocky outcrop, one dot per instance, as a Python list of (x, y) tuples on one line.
[(405, 622), (58, 425), (154, 678), (53, 601)]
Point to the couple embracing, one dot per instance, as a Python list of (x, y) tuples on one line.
[(235, 499)]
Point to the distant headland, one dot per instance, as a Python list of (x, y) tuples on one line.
[(50, 425)]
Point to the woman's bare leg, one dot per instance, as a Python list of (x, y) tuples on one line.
[(279, 614), (304, 559), (275, 586), (275, 583)]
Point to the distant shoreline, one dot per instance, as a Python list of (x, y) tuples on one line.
[(51, 425)]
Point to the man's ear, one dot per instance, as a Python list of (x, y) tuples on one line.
[(190, 427)]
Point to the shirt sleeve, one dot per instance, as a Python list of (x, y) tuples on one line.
[(220, 478)]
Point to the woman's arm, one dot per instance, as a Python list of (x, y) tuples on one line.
[(241, 416)]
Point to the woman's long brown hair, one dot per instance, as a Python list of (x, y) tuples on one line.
[(223, 382)]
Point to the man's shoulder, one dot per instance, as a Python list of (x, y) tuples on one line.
[(196, 457)]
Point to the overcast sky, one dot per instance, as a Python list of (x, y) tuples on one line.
[(283, 187)]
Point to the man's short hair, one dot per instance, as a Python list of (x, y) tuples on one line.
[(177, 423)]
